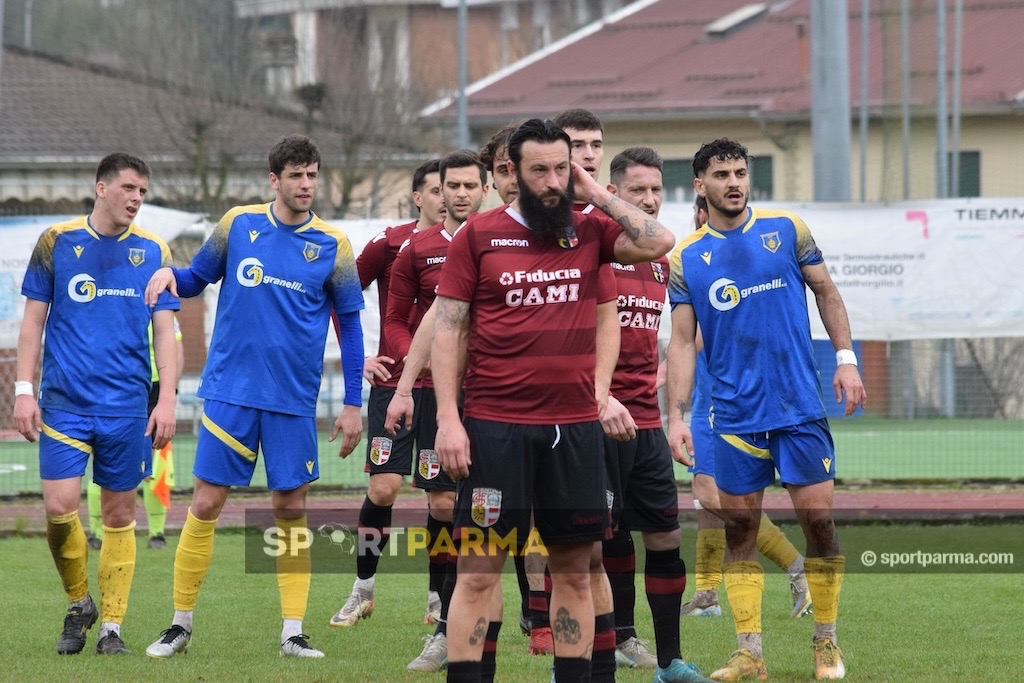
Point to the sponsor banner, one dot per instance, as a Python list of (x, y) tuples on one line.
[(928, 269)]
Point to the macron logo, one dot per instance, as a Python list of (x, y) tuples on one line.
[(509, 242)]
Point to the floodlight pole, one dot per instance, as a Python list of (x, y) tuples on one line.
[(462, 121), (830, 100)]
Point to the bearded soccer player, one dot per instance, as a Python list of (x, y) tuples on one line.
[(283, 269), (742, 279), (84, 286), (517, 307), (771, 542), (389, 457), (640, 469)]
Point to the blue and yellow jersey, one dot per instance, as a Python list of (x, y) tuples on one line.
[(280, 282), (96, 350), (748, 295), (700, 406)]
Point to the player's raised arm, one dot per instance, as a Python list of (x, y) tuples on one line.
[(644, 238)]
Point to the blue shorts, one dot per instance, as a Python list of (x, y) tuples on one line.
[(231, 437), (804, 454), (703, 446), (122, 454)]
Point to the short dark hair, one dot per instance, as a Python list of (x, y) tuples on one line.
[(579, 119), (701, 203), (634, 156), (489, 152), (721, 149), (293, 150), (538, 131), (112, 164), (419, 176), (461, 158)]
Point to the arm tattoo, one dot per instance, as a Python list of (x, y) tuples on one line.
[(682, 407), (565, 629), (451, 313), (479, 632), (651, 228)]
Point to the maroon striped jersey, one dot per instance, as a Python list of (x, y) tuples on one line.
[(532, 338), (414, 278), (641, 289), (375, 263)]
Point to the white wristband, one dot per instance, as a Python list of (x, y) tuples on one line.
[(846, 357), (24, 389)]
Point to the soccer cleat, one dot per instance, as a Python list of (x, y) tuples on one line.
[(801, 595), (157, 542), (296, 646), (171, 641), (433, 613), (358, 606), (742, 666), (691, 609), (434, 656), (93, 541), (77, 620), (524, 624), (632, 653), (679, 671), (828, 660), (541, 641), (111, 644)]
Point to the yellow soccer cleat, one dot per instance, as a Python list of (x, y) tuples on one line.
[(828, 660), (742, 666)]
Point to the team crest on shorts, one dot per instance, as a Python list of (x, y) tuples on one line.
[(771, 241), (430, 464), (659, 272), (486, 506), (380, 450), (136, 257), (570, 240)]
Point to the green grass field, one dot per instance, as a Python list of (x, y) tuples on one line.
[(893, 627), (867, 448)]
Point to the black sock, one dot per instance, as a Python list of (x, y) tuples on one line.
[(440, 534), (665, 580), (375, 523), (603, 668), (488, 663), (524, 587), (449, 586), (620, 564), (463, 672), (570, 669)]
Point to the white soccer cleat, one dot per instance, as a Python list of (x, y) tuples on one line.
[(172, 641), (358, 606), (434, 656), (296, 646), (433, 613)]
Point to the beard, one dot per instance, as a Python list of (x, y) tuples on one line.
[(548, 223), (725, 210)]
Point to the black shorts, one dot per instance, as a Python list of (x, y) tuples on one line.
[(394, 454), (553, 471), (643, 482)]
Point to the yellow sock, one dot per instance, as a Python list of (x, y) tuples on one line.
[(293, 568), (744, 584), (824, 580), (192, 560), (66, 538), (774, 545), (710, 557), (117, 567)]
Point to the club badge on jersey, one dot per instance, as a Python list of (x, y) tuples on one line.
[(771, 241), (659, 272), (486, 506), (570, 240)]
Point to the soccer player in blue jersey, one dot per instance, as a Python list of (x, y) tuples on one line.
[(742, 278), (282, 269), (84, 285)]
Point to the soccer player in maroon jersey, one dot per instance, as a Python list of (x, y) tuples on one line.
[(388, 457), (640, 469), (516, 316), (414, 279)]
